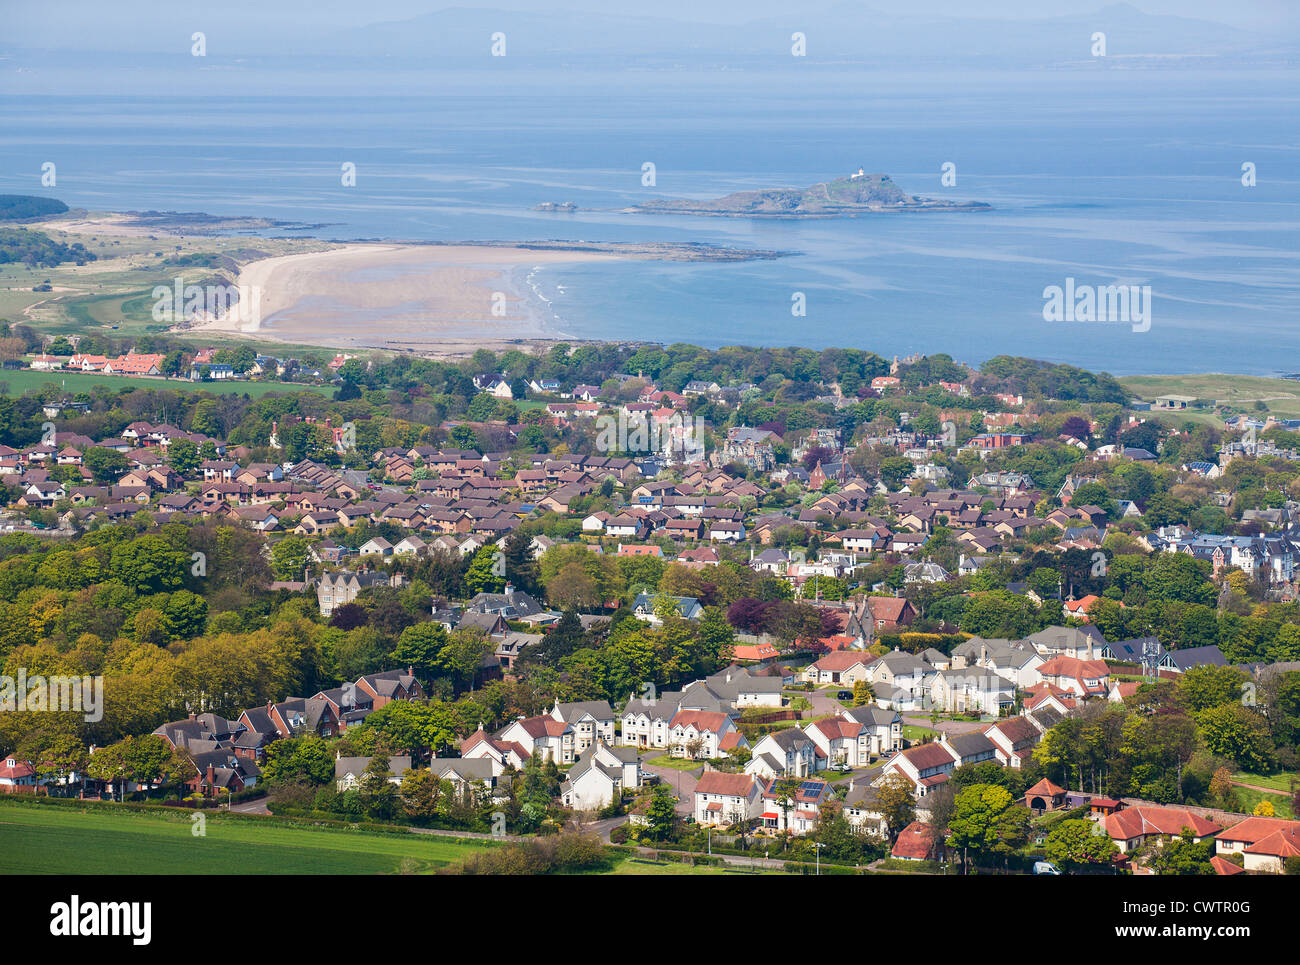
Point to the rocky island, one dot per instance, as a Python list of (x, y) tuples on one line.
[(858, 193)]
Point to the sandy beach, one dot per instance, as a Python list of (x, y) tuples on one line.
[(384, 295)]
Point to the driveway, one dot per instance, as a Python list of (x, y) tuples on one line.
[(822, 703), (682, 784)]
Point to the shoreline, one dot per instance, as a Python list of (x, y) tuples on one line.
[(394, 295)]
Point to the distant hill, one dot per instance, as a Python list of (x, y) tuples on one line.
[(860, 192), (19, 207)]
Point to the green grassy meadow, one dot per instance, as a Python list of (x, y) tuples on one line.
[(64, 840)]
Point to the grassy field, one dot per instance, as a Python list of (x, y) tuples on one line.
[(677, 763), (1241, 392), (50, 840), (1280, 781), (1247, 798), (23, 380)]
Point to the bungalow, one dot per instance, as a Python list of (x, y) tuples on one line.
[(1132, 827), (840, 667), (1264, 843), (915, 843)]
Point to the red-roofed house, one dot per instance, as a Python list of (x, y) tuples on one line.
[(925, 765), (1015, 739), (1265, 843), (16, 775), (842, 741), (1079, 608), (701, 734), (914, 842), (754, 651), (1132, 827), (501, 753), (723, 799), (1222, 866), (1083, 678), (1043, 694), (839, 667)]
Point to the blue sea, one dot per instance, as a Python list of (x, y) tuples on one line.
[(1107, 177)]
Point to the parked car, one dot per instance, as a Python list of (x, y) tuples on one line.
[(1046, 868), (844, 695)]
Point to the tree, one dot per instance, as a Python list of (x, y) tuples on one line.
[(423, 795), (1075, 841), (897, 804), (105, 465), (861, 694), (299, 760), (290, 557), (148, 564), (895, 469), (463, 654), (485, 574), (183, 455), (416, 728), (1239, 733), (147, 759), (420, 648), (987, 820), (661, 814), (1183, 856), (520, 566), (1207, 686)]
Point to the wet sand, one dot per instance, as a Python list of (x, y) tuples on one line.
[(421, 297)]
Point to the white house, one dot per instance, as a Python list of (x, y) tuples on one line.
[(725, 799), (348, 771)]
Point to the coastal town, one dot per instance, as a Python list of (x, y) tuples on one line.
[(902, 617)]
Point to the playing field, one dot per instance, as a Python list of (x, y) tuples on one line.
[(55, 840)]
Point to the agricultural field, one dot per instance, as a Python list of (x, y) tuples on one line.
[(38, 839)]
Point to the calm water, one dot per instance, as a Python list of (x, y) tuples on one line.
[(1110, 178)]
